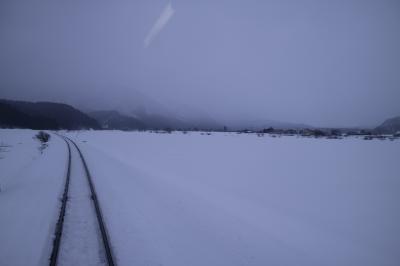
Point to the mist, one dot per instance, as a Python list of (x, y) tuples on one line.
[(323, 63)]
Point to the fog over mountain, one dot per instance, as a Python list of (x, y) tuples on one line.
[(323, 63)]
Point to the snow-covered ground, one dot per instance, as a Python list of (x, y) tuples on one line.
[(31, 184), (81, 242), (229, 199), (219, 199)]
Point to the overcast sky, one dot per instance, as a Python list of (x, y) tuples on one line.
[(325, 63)]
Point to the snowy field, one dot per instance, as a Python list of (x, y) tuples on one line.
[(31, 184), (219, 199)]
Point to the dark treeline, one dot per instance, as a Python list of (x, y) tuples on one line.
[(43, 115)]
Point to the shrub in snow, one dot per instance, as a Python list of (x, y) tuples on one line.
[(43, 137)]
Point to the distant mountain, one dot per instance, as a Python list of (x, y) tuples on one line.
[(47, 115), (151, 112), (160, 121), (157, 116), (115, 120), (390, 126), (140, 119), (10, 117), (195, 117)]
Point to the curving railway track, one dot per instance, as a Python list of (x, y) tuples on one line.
[(81, 236)]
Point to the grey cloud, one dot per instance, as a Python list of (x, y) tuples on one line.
[(324, 63)]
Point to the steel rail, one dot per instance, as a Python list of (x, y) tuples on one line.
[(60, 221), (99, 215)]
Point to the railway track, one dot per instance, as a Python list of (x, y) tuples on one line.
[(65, 202)]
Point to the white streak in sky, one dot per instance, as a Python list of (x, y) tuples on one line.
[(160, 23)]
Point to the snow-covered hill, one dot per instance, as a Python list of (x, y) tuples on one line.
[(389, 126)]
